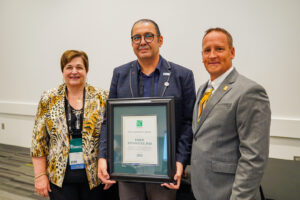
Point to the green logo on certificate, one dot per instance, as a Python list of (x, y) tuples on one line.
[(139, 123)]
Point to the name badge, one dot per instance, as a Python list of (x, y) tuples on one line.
[(76, 155)]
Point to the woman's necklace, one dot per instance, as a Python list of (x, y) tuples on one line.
[(78, 100)]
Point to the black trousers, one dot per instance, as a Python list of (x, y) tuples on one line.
[(76, 191), (76, 187)]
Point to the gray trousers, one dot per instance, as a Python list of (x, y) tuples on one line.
[(143, 191)]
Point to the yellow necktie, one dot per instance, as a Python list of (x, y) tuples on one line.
[(203, 101)]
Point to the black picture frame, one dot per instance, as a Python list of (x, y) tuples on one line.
[(163, 109)]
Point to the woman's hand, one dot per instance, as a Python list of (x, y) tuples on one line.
[(42, 186), (41, 182)]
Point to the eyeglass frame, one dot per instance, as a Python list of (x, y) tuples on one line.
[(144, 37)]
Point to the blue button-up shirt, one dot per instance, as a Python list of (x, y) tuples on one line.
[(147, 80)]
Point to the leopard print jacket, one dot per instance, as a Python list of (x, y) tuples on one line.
[(50, 136)]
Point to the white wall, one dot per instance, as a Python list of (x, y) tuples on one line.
[(34, 34)]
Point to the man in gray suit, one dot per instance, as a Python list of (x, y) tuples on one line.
[(231, 125)]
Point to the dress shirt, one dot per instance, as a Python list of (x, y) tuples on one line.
[(147, 80), (218, 81)]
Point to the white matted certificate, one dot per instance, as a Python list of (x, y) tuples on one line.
[(140, 139)]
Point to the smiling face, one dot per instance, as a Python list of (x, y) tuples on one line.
[(74, 73), (145, 50), (216, 54)]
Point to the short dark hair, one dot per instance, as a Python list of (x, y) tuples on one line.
[(218, 29), (144, 21), (70, 54)]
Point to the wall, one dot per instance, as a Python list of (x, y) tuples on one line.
[(35, 33)]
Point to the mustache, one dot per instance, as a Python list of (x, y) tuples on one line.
[(144, 46)]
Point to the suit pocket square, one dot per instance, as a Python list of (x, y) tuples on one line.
[(224, 167)]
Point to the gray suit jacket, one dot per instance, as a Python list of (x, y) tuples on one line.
[(231, 142)]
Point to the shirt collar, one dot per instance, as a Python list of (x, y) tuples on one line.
[(157, 67), (218, 81)]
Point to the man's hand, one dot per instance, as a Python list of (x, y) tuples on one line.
[(103, 175), (42, 186), (177, 177)]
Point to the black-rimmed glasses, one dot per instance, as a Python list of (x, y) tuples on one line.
[(148, 37)]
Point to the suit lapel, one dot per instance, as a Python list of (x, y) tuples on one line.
[(163, 77), (224, 88), (134, 79), (200, 92), (216, 97)]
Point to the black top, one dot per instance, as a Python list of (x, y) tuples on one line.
[(74, 121)]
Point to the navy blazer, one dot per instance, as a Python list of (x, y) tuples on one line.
[(181, 86)]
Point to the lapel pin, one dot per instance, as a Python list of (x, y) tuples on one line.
[(166, 84), (166, 74), (225, 87)]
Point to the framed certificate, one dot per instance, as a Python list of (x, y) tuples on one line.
[(141, 139)]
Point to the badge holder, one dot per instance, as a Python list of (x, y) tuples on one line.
[(76, 155)]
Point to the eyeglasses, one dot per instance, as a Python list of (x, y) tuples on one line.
[(148, 37)]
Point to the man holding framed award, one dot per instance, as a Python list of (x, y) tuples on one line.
[(150, 76)]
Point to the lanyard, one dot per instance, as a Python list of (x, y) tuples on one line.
[(141, 85), (79, 118)]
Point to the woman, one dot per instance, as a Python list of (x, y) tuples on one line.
[(66, 134)]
